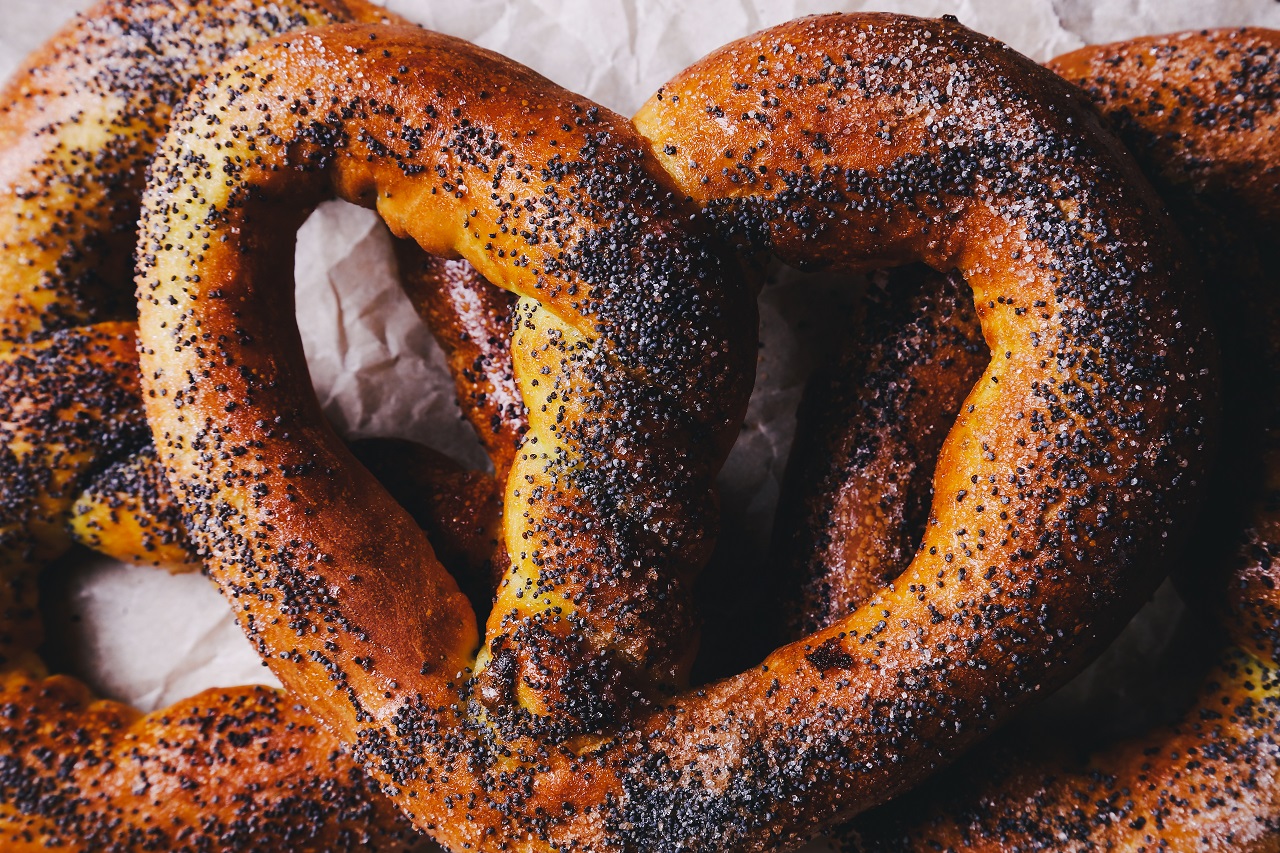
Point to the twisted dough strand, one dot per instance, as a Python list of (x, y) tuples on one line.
[(1200, 112), (240, 767), (631, 348)]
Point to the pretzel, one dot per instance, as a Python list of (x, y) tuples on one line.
[(1199, 110), (238, 767), (632, 348), (232, 766)]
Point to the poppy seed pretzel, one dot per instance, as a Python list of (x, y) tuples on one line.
[(238, 767), (1032, 540), (851, 140), (250, 762), (1199, 109), (608, 341)]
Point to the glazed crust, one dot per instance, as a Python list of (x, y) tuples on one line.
[(87, 774), (1200, 112), (587, 355), (1059, 490), (67, 402), (77, 125), (1196, 108), (127, 511), (1207, 782), (459, 510), (1019, 534), (238, 768), (124, 507)]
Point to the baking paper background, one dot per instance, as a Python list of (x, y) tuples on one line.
[(147, 638)]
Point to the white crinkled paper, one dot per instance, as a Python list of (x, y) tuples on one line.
[(142, 636)]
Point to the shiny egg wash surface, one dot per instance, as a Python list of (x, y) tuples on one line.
[(1076, 458), (1199, 109), (635, 350), (856, 140), (241, 768)]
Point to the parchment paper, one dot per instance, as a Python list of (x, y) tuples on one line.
[(144, 637)]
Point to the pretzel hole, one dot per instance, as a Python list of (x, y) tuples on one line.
[(886, 362), (138, 635), (817, 328)]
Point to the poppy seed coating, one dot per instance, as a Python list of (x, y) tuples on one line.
[(846, 140), (240, 768), (636, 350), (1199, 110)]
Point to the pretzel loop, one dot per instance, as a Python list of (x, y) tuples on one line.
[(587, 231), (1199, 111), (849, 139), (243, 768)]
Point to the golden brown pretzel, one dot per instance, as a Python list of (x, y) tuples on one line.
[(630, 349), (681, 269), (237, 767), (241, 767), (1200, 111), (94, 775)]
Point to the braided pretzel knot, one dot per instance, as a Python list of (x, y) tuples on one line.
[(239, 767), (849, 140), (1200, 112)]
